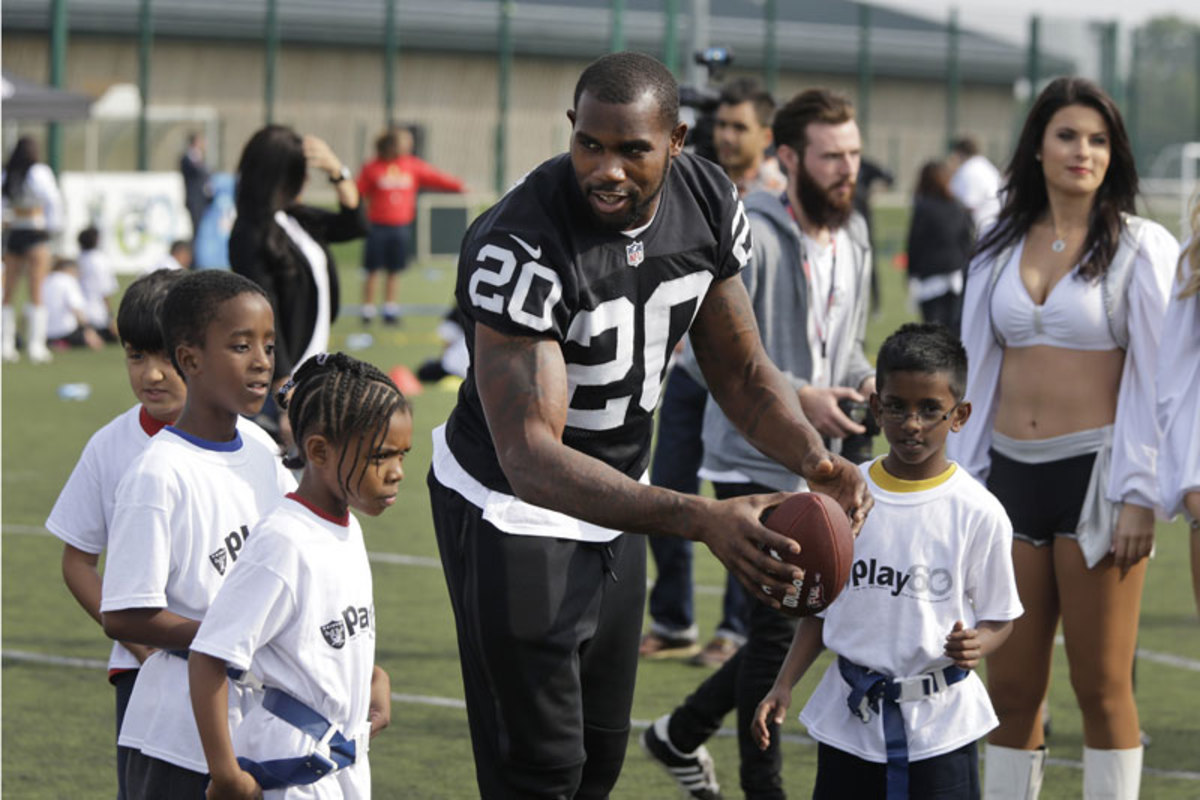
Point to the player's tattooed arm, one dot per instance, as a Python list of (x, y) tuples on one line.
[(761, 403), (523, 387)]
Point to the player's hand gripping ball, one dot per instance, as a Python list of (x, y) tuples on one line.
[(821, 527)]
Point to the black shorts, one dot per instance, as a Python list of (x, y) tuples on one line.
[(149, 778), (387, 248), (950, 776), (1042, 500), (548, 633), (20, 241)]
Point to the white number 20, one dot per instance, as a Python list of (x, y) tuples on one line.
[(617, 315)]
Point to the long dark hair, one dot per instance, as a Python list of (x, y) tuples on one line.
[(1025, 198), (934, 181), (24, 156), (271, 174)]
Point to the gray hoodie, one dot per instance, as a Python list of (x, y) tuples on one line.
[(778, 292)]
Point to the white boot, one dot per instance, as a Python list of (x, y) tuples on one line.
[(35, 328), (8, 327), (1112, 774), (1012, 774)]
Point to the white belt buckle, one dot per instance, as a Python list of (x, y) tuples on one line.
[(911, 688)]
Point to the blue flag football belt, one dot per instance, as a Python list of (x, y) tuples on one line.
[(280, 773), (872, 691)]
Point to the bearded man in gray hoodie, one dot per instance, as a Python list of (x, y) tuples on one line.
[(809, 280)]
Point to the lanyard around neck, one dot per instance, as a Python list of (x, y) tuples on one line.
[(822, 326)]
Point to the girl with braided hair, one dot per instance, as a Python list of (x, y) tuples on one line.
[(298, 610)]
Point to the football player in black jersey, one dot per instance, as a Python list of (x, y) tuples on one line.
[(575, 288)]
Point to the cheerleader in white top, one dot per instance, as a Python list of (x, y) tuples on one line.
[(931, 592), (1179, 398), (298, 610), (1062, 318), (33, 210)]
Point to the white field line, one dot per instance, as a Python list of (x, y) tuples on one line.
[(459, 705), (400, 559)]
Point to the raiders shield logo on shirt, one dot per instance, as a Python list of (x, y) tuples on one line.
[(635, 253), (218, 560), (334, 633)]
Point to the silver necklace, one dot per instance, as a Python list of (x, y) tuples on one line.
[(1058, 245)]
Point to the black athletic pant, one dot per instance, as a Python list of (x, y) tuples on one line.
[(741, 683), (149, 778), (548, 634), (950, 776)]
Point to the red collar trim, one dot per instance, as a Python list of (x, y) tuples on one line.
[(343, 520), (149, 424)]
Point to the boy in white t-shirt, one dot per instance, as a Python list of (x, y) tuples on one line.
[(84, 508), (298, 610), (99, 283), (182, 514), (931, 592), (66, 310)]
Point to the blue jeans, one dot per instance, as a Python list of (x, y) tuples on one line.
[(677, 458)]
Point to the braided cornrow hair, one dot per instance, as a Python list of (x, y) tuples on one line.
[(340, 397)]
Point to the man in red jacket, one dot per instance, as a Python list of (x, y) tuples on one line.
[(389, 183)]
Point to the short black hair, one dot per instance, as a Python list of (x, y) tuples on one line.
[(194, 300), (965, 146), (622, 78), (89, 237), (141, 308), (339, 397), (749, 90), (923, 347)]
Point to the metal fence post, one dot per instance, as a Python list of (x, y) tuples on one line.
[(864, 68), (617, 38), (771, 56), (272, 51), (145, 39), (58, 70), (506, 9), (953, 79), (389, 63), (671, 36)]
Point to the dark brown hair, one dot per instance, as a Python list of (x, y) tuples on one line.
[(1025, 198)]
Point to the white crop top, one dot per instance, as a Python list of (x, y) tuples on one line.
[(1072, 316)]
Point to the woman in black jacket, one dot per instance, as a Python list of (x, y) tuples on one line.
[(283, 245), (940, 239)]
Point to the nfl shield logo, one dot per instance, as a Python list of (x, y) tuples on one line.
[(218, 560), (634, 254), (334, 633)]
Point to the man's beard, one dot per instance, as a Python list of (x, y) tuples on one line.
[(817, 203)]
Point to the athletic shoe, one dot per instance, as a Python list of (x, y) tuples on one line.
[(657, 646), (715, 653), (367, 314), (694, 772)]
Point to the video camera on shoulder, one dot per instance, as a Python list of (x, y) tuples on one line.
[(705, 99)]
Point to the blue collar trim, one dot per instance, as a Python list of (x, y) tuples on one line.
[(220, 447)]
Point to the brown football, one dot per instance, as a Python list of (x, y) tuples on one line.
[(822, 529)]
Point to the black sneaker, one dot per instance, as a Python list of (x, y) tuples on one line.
[(694, 772)]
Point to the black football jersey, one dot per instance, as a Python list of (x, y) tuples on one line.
[(537, 264)]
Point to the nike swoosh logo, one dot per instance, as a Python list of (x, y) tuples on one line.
[(534, 252)]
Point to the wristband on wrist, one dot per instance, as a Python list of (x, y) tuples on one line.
[(342, 175)]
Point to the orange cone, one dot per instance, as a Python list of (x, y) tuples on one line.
[(405, 381)]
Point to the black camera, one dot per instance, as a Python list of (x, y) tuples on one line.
[(705, 99), (860, 413)]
